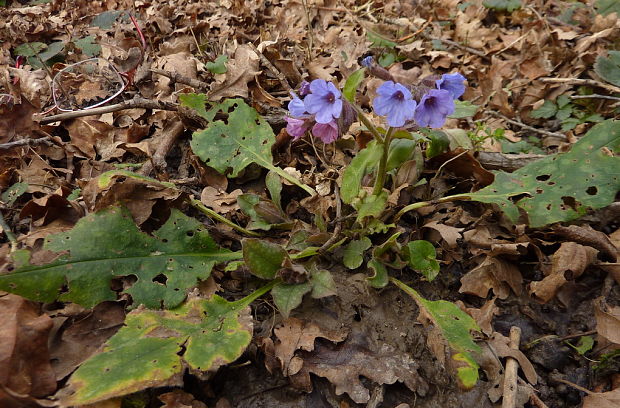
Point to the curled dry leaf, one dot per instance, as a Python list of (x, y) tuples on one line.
[(221, 201), (609, 399), (501, 346), (588, 236), (295, 334), (450, 234), (482, 316), (343, 364), (241, 69), (568, 263), (493, 273), (607, 320)]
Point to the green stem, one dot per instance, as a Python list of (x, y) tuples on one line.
[(367, 123), (242, 303), (292, 179), (212, 214), (421, 204), (380, 179)]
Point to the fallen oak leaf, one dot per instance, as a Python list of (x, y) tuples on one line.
[(493, 273)]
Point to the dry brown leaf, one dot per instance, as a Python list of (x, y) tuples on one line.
[(180, 399), (607, 320), (24, 356), (492, 273), (242, 68), (482, 316), (501, 345), (221, 201), (295, 334), (450, 234), (586, 235), (343, 364), (568, 263), (610, 399)]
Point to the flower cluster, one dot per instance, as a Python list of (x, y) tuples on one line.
[(323, 110)]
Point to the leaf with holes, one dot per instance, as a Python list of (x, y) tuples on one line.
[(229, 147), (154, 347), (455, 327), (564, 186), (108, 244)]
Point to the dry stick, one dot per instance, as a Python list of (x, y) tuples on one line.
[(182, 79), (274, 71), (506, 162), (455, 44), (130, 104), (576, 81), (170, 134), (534, 399), (595, 96), (528, 127), (512, 366), (310, 32), (26, 142)]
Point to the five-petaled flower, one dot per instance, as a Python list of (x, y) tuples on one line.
[(324, 101), (433, 108), (327, 132), (394, 101), (452, 83), (296, 106)]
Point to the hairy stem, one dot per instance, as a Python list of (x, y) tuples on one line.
[(367, 123), (380, 179), (242, 303)]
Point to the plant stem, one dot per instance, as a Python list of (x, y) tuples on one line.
[(292, 179), (212, 214), (367, 123), (380, 179), (242, 303), (421, 204)]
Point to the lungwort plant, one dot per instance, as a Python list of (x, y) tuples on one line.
[(170, 329)]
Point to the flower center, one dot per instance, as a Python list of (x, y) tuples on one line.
[(398, 95), (330, 97), (431, 101)]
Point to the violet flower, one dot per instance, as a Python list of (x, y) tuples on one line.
[(327, 132), (324, 102), (452, 83), (395, 102), (304, 88), (433, 108), (297, 127), (296, 106)]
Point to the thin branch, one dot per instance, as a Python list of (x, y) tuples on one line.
[(26, 142), (577, 81), (510, 376), (455, 44), (130, 104), (528, 127), (182, 79), (595, 96), (274, 71)]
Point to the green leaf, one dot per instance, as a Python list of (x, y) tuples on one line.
[(400, 151), (153, 346), (387, 59), (585, 344), (247, 203), (609, 68), (107, 244), (218, 66), (606, 7), (371, 206), (378, 41), (379, 278), (439, 143), (564, 186), (423, 258), (12, 193), (455, 326), (52, 50), (274, 185), (106, 19), (263, 259), (365, 162), (288, 297), (88, 46), (353, 82), (229, 147), (354, 252), (503, 5), (546, 111), (323, 284), (463, 109)]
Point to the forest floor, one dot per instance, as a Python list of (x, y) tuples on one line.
[(536, 84)]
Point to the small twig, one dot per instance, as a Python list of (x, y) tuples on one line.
[(506, 162), (274, 71), (130, 104), (577, 81), (182, 79), (509, 399), (337, 227), (528, 127), (197, 204), (170, 134), (26, 142), (575, 386), (455, 44), (310, 33), (595, 96), (572, 336)]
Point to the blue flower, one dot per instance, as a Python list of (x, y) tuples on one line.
[(304, 88), (296, 106), (297, 127), (433, 108), (324, 102), (367, 61), (395, 102), (452, 83)]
